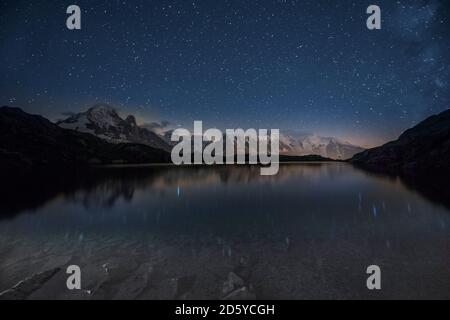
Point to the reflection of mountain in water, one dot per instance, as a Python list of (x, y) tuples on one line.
[(156, 227), (104, 187), (433, 187)]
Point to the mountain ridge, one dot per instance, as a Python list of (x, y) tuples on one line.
[(420, 149), (103, 121), (303, 144), (31, 141)]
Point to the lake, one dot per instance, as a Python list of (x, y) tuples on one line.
[(163, 232)]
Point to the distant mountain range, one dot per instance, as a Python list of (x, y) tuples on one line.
[(425, 148), (301, 144), (101, 136), (104, 122), (31, 141)]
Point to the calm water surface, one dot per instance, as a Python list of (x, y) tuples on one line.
[(169, 232)]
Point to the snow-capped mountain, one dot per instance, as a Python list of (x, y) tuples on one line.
[(104, 122), (301, 144)]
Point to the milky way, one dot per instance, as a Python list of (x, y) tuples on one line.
[(305, 65)]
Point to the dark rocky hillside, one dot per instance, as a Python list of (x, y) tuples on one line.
[(425, 148), (31, 141)]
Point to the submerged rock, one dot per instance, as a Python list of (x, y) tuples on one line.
[(243, 293), (29, 285), (168, 289), (232, 283), (136, 283), (184, 285)]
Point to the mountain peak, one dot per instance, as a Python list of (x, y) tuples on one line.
[(131, 120), (31, 141), (300, 144), (103, 121), (103, 115), (102, 107)]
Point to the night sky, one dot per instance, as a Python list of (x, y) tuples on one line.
[(311, 66)]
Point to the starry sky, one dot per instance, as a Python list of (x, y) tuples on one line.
[(311, 66)]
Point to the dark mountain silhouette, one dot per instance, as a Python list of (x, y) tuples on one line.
[(425, 148), (31, 141)]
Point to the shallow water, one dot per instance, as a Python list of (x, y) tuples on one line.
[(168, 232)]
